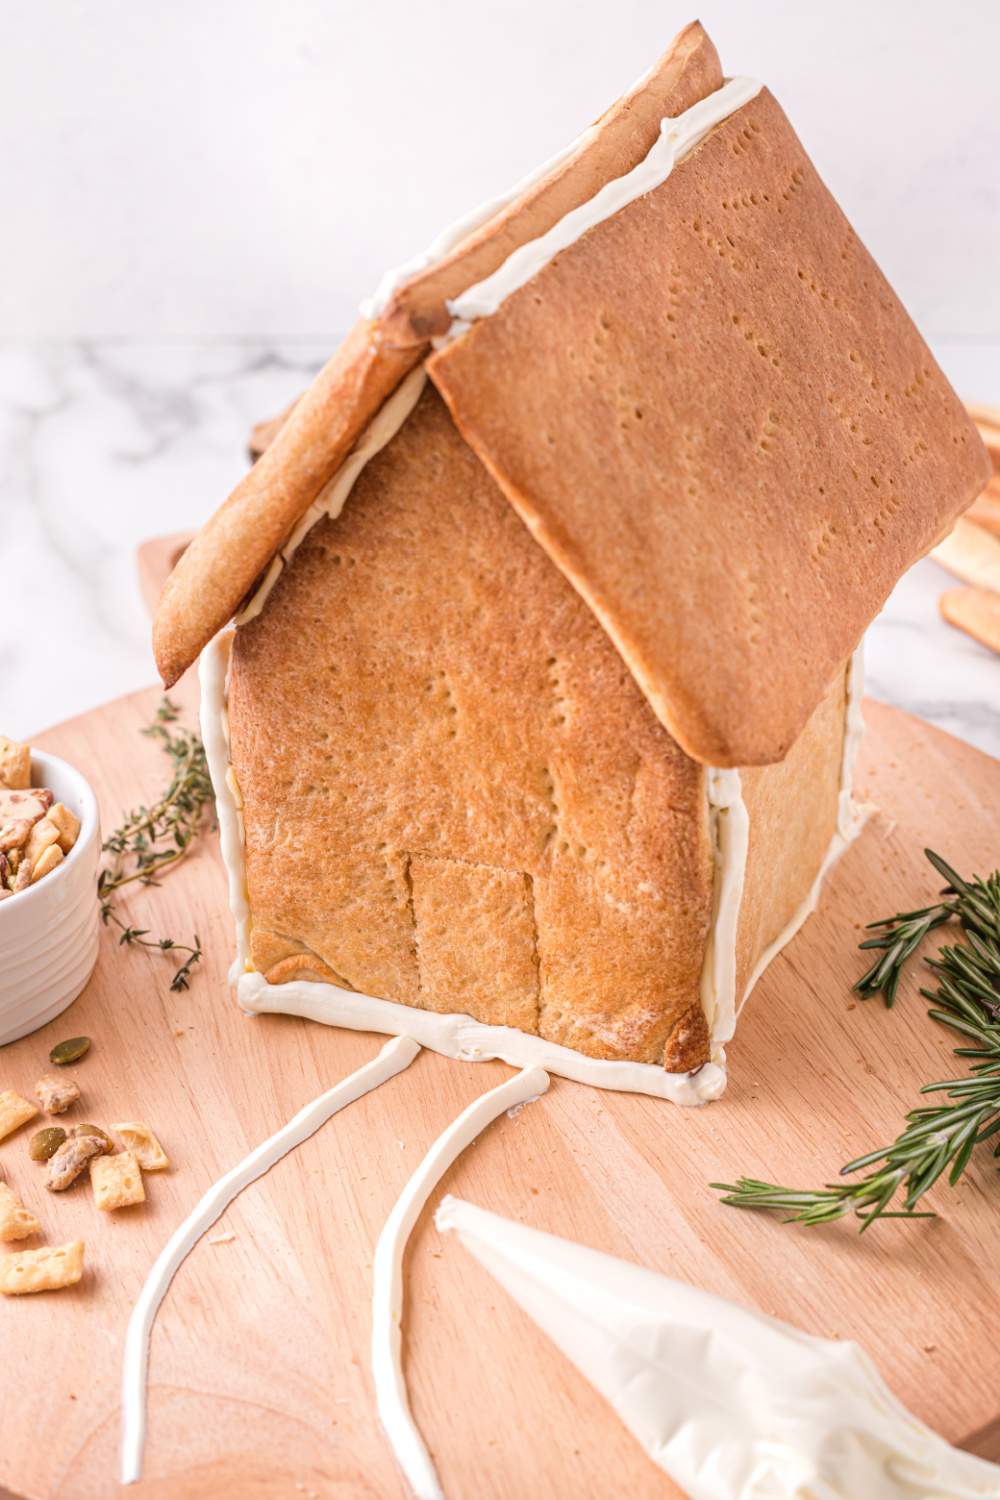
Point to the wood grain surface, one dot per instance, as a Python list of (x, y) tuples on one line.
[(260, 1382)]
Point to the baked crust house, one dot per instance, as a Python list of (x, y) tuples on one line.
[(539, 713)]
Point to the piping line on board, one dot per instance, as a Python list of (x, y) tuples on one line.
[(392, 1059), (387, 1274)]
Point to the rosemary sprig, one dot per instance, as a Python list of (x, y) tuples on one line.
[(153, 840), (941, 1137), (974, 903)]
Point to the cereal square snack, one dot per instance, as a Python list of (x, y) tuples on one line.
[(66, 823), (16, 1221), (139, 1139), (45, 1270), (117, 1181), (15, 1111)]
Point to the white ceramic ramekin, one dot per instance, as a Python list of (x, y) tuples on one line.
[(49, 932)]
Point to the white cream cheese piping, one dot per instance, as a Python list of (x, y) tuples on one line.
[(731, 1403), (374, 306), (332, 497), (461, 1037), (678, 136), (729, 831), (213, 674), (392, 1059), (387, 1275)]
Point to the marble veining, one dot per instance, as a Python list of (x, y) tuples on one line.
[(105, 444)]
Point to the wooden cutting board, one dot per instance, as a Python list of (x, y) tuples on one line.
[(260, 1383)]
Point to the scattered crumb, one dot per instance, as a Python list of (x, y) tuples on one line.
[(224, 1238), (178, 1031), (401, 1145), (929, 1348)]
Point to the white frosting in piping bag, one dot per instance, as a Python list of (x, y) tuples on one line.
[(678, 136), (732, 1404), (393, 1058), (387, 1274)]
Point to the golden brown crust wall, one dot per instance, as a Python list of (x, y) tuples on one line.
[(454, 794), (301, 450), (792, 808), (720, 423)]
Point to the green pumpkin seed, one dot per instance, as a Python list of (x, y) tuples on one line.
[(102, 1135), (70, 1052), (45, 1143)]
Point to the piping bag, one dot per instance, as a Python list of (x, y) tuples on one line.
[(731, 1403)]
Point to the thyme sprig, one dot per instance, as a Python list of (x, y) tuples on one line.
[(152, 840), (940, 1137)]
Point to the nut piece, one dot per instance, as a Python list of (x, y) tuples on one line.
[(14, 1112), (15, 763), (55, 1095), (140, 1140), (14, 833), (66, 823), (70, 1051), (45, 1270), (97, 1133), (16, 1222), (71, 1158), (117, 1181), (45, 1143), (29, 805), (42, 836), (46, 862)]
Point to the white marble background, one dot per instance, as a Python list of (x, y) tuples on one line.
[(198, 196)]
